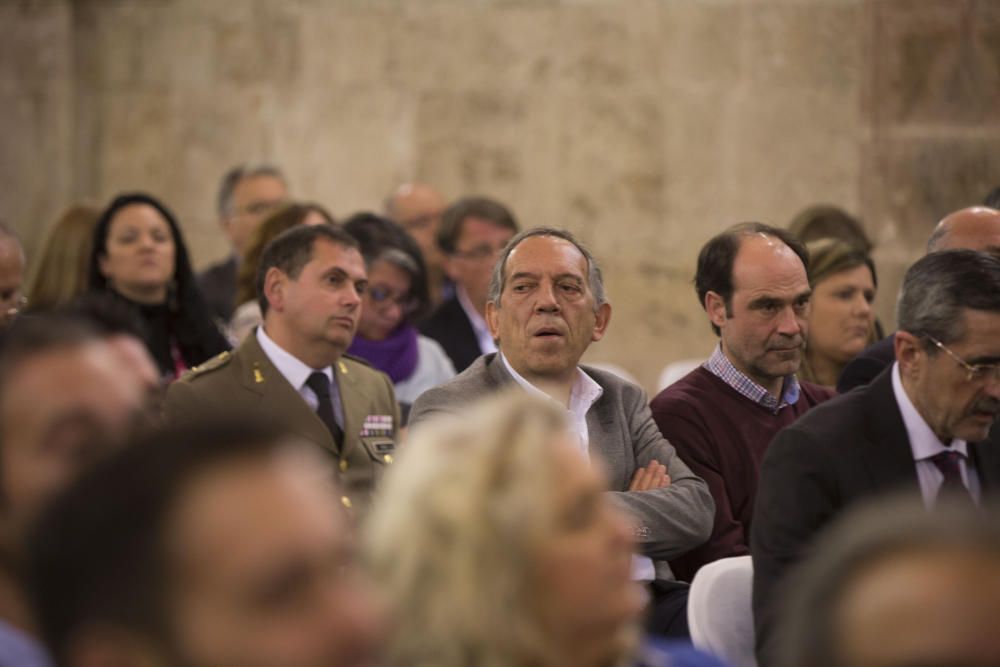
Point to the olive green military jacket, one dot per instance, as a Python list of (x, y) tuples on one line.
[(246, 382)]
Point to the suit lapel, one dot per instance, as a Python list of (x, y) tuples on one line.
[(888, 456), (355, 404), (985, 456), (277, 396)]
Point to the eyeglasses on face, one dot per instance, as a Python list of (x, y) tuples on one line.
[(382, 297), (479, 253), (973, 372)]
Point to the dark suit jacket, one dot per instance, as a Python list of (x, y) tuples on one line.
[(848, 449), (246, 382), (865, 367), (218, 286), (622, 435), (450, 326)]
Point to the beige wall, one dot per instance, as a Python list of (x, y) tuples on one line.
[(643, 125)]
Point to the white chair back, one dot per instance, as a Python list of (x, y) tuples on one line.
[(719, 610)]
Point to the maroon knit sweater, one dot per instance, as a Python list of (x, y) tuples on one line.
[(722, 436)]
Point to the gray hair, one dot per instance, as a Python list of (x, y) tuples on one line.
[(939, 286), (224, 199), (595, 278), (862, 537)]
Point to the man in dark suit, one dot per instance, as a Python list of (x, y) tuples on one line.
[(924, 425), (472, 233), (293, 368), (546, 306), (248, 193), (974, 228)]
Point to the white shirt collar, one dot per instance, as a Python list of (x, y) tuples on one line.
[(923, 440), (294, 370), (478, 322), (582, 397)]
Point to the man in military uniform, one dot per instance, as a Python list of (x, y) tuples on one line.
[(293, 367)]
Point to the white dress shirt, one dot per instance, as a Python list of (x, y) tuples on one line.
[(479, 326), (582, 397), (296, 372), (925, 444)]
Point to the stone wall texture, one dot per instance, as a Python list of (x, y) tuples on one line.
[(643, 125)]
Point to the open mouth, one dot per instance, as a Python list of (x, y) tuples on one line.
[(548, 333)]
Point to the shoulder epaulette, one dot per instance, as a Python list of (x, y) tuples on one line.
[(218, 361)]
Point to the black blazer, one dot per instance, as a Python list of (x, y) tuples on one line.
[(865, 367), (850, 448), (450, 326), (218, 286)]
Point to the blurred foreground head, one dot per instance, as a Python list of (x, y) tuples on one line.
[(72, 388), (893, 585), (219, 543), (496, 545)]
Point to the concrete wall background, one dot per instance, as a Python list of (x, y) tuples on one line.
[(643, 125)]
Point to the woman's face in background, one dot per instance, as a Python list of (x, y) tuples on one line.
[(386, 302), (841, 320), (138, 261)]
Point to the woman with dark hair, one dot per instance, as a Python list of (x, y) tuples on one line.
[(139, 256), (396, 298)]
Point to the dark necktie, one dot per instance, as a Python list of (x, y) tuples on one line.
[(320, 384), (952, 487)]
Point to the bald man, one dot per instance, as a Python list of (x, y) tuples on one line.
[(418, 208), (973, 228)]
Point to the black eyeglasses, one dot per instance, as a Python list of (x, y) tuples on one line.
[(973, 372), (381, 297)]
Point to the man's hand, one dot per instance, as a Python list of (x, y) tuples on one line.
[(653, 476)]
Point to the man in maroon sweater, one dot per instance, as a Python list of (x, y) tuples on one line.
[(751, 280)]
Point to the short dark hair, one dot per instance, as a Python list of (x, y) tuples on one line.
[(383, 239), (940, 285), (716, 259), (864, 536), (595, 279), (41, 333), (292, 249), (232, 178), (454, 216), (96, 554)]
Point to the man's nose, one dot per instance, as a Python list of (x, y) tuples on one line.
[(546, 297), (789, 322)]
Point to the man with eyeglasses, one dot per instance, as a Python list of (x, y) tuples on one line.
[(473, 231), (925, 425), (247, 194), (293, 369)]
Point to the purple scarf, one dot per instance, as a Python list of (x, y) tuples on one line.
[(396, 356)]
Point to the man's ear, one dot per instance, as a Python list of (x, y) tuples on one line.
[(493, 320), (275, 283), (715, 306), (602, 318), (909, 353)]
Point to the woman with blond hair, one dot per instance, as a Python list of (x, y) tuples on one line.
[(841, 314), (495, 545), (60, 273)]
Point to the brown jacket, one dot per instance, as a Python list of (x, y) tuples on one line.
[(246, 382)]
